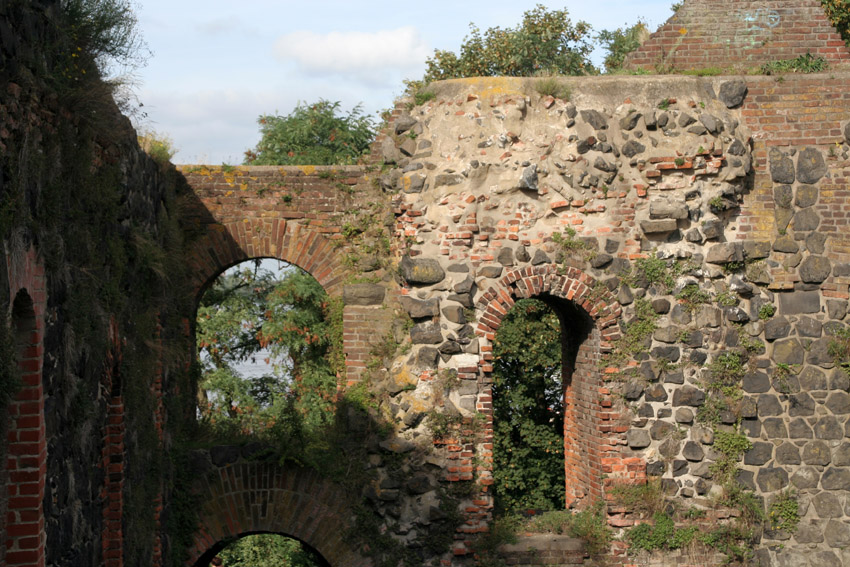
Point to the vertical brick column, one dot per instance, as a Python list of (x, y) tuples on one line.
[(26, 461), (113, 457)]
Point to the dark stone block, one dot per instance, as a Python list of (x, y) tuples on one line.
[(810, 166), (801, 405), (788, 454), (805, 220), (363, 294), (771, 479), (595, 119), (815, 269), (828, 427), (835, 479), (781, 167), (732, 93), (423, 271), (426, 333), (799, 429), (688, 396), (655, 393), (693, 451), (756, 383), (759, 453), (768, 405)]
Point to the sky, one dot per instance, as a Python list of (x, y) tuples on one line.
[(216, 66)]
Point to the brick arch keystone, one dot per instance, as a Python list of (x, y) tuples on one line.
[(226, 244), (253, 497), (592, 434)]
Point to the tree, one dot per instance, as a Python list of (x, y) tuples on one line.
[(546, 43), (267, 550), (838, 12), (312, 134), (621, 42), (528, 410), (248, 311)]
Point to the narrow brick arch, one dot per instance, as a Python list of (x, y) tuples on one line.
[(227, 244), (23, 536), (245, 498), (589, 434)]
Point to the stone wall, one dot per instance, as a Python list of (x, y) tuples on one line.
[(748, 219), (740, 36)]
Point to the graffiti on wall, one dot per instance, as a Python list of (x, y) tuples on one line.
[(757, 28)]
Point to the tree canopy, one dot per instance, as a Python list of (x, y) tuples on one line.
[(545, 43), (528, 410), (312, 134)]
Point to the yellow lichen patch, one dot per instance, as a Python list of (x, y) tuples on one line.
[(307, 169), (243, 186), (228, 194), (282, 170), (494, 87)]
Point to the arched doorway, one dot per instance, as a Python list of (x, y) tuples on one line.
[(262, 550)]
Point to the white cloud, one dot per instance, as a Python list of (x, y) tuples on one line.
[(361, 55)]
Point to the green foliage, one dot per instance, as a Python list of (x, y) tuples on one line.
[(838, 12), (423, 96), (692, 297), (267, 550), (589, 524), (553, 87), (734, 540), (546, 43), (726, 371), (160, 148), (246, 311), (621, 42), (784, 511), (662, 533), (528, 444), (645, 499), (839, 349), (652, 270), (766, 311), (634, 335), (107, 30), (312, 134), (807, 63), (731, 445)]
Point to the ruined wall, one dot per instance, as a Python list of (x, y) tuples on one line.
[(736, 188), (739, 35)]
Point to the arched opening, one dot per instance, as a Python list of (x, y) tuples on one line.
[(26, 456), (262, 549), (268, 346), (535, 420)]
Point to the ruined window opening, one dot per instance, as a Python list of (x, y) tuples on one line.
[(536, 352), (262, 549), (261, 348)]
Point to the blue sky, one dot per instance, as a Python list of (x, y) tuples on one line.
[(217, 65)]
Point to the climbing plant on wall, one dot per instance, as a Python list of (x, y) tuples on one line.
[(528, 411), (838, 12)]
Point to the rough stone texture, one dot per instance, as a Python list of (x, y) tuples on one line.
[(810, 166)]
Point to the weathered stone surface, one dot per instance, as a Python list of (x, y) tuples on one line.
[(816, 242), (418, 308), (837, 533), (805, 477), (801, 404), (490, 271), (633, 148), (786, 244), (788, 351), (528, 179), (425, 358), (774, 428), (759, 453), (655, 393), (540, 257), (781, 167), (809, 327), (426, 333), (629, 121), (688, 396), (667, 208), (819, 352), (732, 93), (768, 405), (638, 438), (838, 403), (421, 271), (633, 390), (805, 219), (776, 328), (712, 229), (815, 269), (708, 316), (806, 196), (828, 427), (755, 249), (828, 505), (799, 429), (788, 454), (661, 430), (455, 314), (404, 123), (836, 309), (693, 451), (397, 445), (595, 119), (713, 124), (810, 166), (816, 453), (797, 302), (771, 479), (446, 179), (725, 252), (363, 294), (657, 226), (812, 379), (783, 196), (755, 382)]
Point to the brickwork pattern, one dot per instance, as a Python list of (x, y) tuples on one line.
[(242, 497), (23, 533), (740, 35)]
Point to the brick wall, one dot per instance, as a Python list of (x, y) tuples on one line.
[(740, 35), (23, 533)]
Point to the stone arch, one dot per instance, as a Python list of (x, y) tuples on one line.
[(24, 537), (248, 497), (226, 244), (589, 314)]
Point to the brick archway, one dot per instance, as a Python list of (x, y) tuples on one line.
[(24, 537), (244, 498), (226, 244), (590, 434)]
